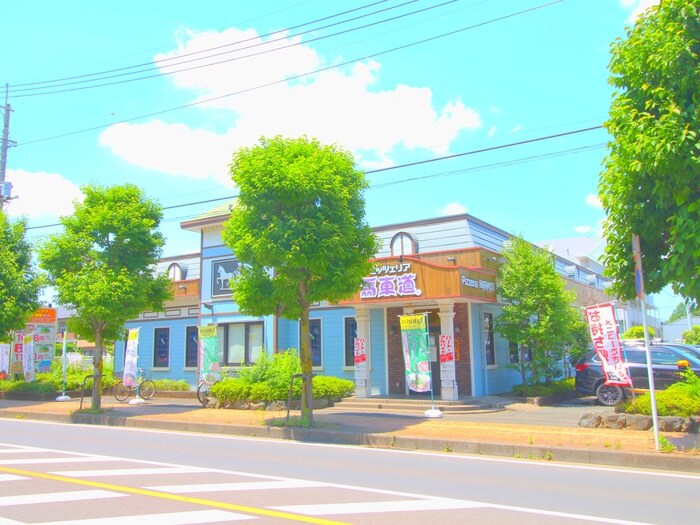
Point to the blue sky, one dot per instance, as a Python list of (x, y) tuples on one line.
[(404, 82)]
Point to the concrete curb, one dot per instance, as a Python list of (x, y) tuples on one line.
[(657, 461)]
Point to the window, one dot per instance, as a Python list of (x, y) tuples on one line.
[(242, 342), (350, 335), (513, 353), (161, 348), (175, 272), (315, 336), (489, 344), (191, 347), (403, 244)]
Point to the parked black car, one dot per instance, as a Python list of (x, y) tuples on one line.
[(667, 361)]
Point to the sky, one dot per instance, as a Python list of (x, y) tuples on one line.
[(488, 107)]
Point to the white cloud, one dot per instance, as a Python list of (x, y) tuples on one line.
[(453, 208), (175, 149), (341, 106), (516, 128), (639, 6), (583, 229), (492, 132), (41, 195), (594, 201)]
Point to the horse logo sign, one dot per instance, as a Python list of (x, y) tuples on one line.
[(223, 272)]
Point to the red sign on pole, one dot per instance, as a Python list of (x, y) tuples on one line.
[(606, 341)]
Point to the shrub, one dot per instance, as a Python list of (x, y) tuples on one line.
[(692, 336), (669, 402), (637, 332), (172, 385), (545, 389), (53, 381), (330, 387), (230, 389)]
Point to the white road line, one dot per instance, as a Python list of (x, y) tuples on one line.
[(130, 472), (22, 450), (252, 485), (10, 477), (57, 497), (39, 461), (380, 506), (174, 518)]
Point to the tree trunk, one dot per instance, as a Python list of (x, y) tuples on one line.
[(307, 396), (97, 366)]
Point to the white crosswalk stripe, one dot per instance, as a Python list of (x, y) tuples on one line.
[(129, 472), (56, 497), (40, 461), (239, 486), (380, 506), (10, 477), (169, 518)]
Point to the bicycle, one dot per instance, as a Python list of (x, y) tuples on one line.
[(204, 392), (144, 388)]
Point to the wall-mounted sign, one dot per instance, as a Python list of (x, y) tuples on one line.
[(475, 284), (222, 275), (390, 280)]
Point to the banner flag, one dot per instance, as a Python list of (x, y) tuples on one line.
[(414, 340), (210, 355), (28, 358), (360, 361), (131, 358), (605, 334), (4, 360)]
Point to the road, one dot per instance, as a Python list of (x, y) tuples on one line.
[(60, 474)]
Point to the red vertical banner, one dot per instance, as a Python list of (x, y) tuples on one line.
[(605, 335)]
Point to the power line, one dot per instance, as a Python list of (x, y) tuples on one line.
[(296, 77), (251, 55), (435, 159), (150, 64)]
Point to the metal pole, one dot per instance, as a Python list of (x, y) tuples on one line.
[(64, 397)]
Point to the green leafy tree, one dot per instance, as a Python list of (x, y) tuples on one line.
[(692, 336), (102, 265), (299, 229), (20, 283), (649, 185), (680, 312), (537, 314)]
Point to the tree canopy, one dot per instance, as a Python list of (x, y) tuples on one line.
[(298, 228), (649, 185), (20, 283), (102, 264), (537, 314)]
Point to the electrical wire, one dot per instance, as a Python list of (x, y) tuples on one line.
[(295, 77), (151, 63), (251, 55), (436, 159)]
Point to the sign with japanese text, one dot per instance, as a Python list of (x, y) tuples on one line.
[(210, 356), (28, 357), (605, 335), (447, 359), (4, 360), (390, 280), (416, 352), (361, 369), (131, 358)]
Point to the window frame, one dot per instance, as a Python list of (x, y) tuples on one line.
[(349, 343), (224, 342), (156, 331), (188, 349), (400, 239), (314, 363)]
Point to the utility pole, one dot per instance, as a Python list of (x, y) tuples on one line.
[(5, 187)]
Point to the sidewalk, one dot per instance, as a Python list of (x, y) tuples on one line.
[(520, 431)]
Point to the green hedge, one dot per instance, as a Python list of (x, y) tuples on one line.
[(680, 399), (53, 381), (545, 389), (268, 380)]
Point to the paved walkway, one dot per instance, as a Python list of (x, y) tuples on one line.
[(519, 431)]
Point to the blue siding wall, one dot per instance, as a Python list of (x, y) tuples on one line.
[(176, 369)]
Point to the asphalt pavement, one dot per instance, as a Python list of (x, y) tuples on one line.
[(515, 430)]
